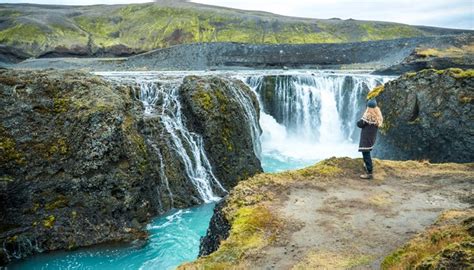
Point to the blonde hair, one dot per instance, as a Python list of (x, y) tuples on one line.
[(373, 116)]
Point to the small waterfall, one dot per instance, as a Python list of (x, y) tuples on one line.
[(251, 117), (163, 178), (188, 145)]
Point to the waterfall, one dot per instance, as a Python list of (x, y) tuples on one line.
[(160, 98), (186, 144), (251, 117), (307, 117)]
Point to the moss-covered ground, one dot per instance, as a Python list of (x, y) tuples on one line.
[(325, 217)]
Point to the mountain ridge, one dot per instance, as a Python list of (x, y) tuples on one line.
[(123, 30)]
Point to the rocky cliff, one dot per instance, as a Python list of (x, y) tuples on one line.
[(324, 216), (80, 164), (428, 115)]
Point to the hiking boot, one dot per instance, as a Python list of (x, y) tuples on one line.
[(367, 176)]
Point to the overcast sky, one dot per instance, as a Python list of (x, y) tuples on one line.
[(443, 13)]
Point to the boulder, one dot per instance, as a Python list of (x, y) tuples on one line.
[(225, 112), (428, 115)]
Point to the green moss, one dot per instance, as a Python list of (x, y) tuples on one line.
[(375, 92), (6, 178), (324, 168), (252, 228), (385, 126), (377, 31), (138, 146), (226, 138), (428, 248), (414, 122), (8, 149), (449, 52), (410, 74), (150, 26), (60, 202), (61, 105), (24, 33), (60, 146), (457, 73), (203, 98), (466, 99), (48, 222), (460, 74)]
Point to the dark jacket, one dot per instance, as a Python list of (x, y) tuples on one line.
[(368, 134)]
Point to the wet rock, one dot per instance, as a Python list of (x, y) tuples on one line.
[(218, 231), (212, 109), (428, 115)]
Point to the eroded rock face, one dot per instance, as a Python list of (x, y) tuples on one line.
[(228, 137), (219, 229), (81, 165), (428, 115)]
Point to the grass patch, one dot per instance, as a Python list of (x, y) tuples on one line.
[(252, 229), (428, 249), (452, 51), (331, 260)]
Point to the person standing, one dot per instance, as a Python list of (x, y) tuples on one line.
[(371, 120)]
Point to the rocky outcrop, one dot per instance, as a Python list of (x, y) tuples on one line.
[(459, 53), (428, 115), (234, 129), (81, 165), (217, 232)]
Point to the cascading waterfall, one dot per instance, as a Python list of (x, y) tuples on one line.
[(308, 117), (188, 145)]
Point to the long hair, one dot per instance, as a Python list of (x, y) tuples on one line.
[(373, 116)]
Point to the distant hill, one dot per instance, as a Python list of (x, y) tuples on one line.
[(28, 30)]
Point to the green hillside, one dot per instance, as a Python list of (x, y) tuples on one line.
[(37, 29)]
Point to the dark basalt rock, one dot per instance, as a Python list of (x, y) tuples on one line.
[(227, 138), (81, 165), (218, 231), (428, 115)]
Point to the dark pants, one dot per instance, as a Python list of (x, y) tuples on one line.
[(367, 161)]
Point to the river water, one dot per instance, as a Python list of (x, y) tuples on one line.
[(310, 116)]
